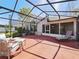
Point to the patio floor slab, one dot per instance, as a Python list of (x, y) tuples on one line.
[(45, 47)]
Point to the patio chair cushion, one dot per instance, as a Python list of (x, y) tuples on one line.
[(17, 43), (14, 46), (19, 39)]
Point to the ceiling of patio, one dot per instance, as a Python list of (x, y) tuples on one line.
[(9, 9)]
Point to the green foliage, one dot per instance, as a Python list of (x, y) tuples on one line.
[(2, 25), (8, 34), (20, 30), (24, 10), (15, 34)]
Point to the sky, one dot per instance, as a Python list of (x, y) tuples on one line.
[(22, 3)]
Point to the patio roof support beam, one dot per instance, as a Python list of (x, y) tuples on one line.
[(28, 13), (63, 11), (12, 16), (62, 15), (55, 2), (5, 12), (47, 16), (27, 16), (43, 19), (36, 6), (17, 12), (9, 19), (39, 14), (14, 8), (12, 19), (53, 8)]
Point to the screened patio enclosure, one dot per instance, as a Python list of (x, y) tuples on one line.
[(39, 10)]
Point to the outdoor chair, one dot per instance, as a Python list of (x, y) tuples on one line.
[(8, 46), (66, 37)]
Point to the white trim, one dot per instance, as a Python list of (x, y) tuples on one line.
[(58, 36), (59, 28), (75, 28)]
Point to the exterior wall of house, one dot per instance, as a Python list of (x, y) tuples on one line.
[(62, 21), (39, 27), (65, 21), (27, 25)]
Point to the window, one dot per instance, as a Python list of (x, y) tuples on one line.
[(43, 28), (66, 27), (47, 28), (54, 28)]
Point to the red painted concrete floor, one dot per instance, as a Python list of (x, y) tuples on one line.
[(45, 47)]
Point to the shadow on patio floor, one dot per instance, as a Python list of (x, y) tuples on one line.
[(40, 40), (69, 43)]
